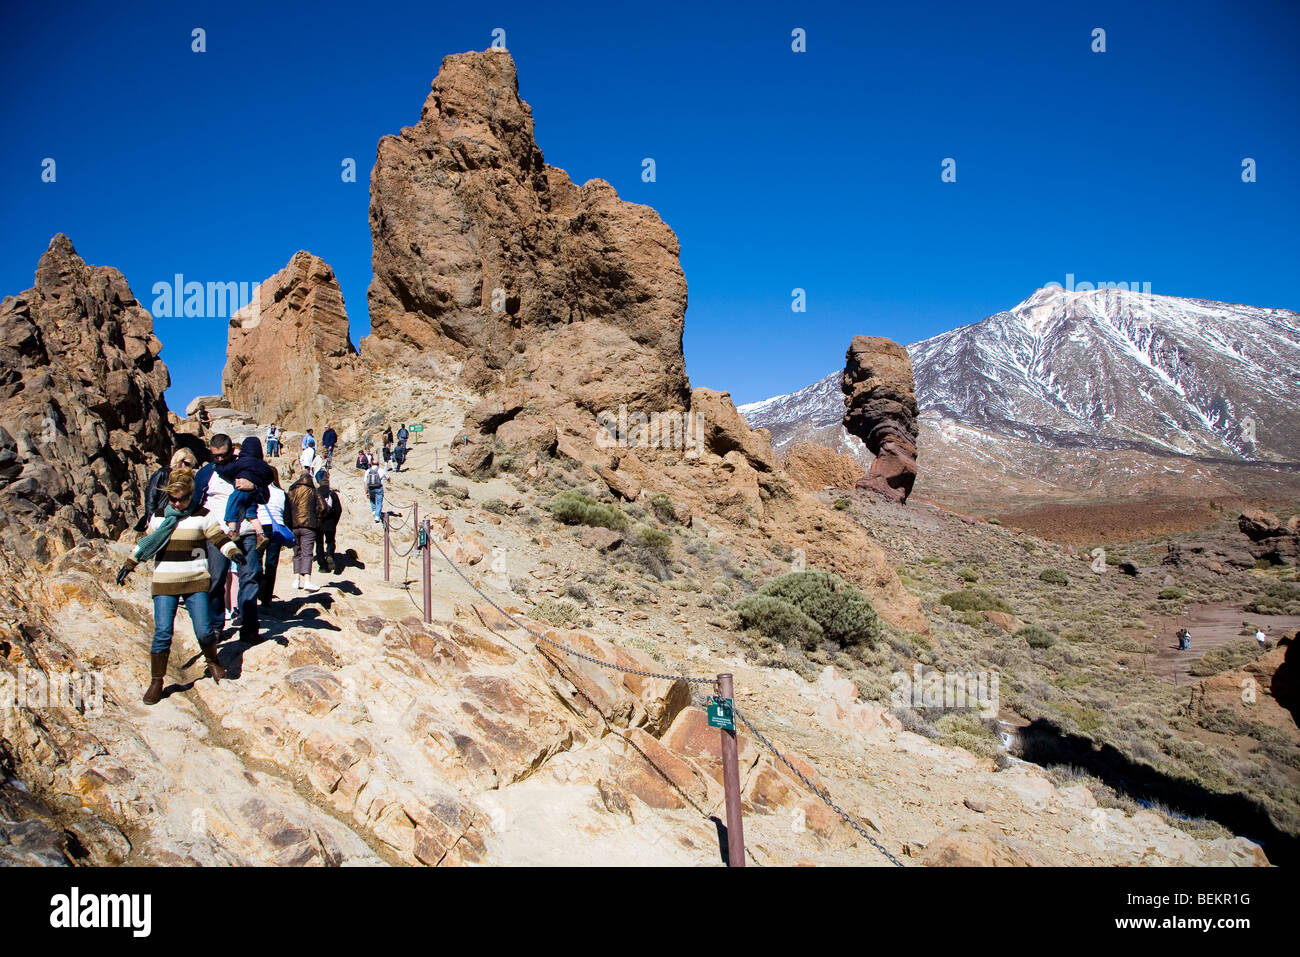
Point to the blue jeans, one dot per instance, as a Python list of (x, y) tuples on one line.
[(250, 579), (164, 619), (377, 502)]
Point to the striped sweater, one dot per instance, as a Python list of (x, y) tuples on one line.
[(181, 568)]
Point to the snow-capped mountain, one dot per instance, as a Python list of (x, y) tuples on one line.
[(1105, 369)]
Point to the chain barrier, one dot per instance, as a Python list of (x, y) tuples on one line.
[(826, 798), (567, 650)]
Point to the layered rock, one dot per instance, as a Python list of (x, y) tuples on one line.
[(289, 355), (880, 409), (1270, 539), (484, 252), (82, 415), (816, 467)]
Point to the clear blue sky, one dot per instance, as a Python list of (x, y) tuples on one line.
[(777, 170)]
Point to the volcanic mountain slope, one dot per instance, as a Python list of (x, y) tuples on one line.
[(1164, 385)]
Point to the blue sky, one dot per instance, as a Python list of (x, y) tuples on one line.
[(818, 170)]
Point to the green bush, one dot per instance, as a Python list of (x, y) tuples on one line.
[(841, 504), (663, 507), (1035, 636), (1172, 593), (1053, 576), (780, 620), (563, 614), (974, 599), (845, 614), (496, 506), (1225, 658), (968, 575), (576, 508), (655, 539)]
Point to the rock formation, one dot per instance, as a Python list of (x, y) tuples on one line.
[(1270, 539), (880, 409), (484, 252), (816, 467), (289, 358), (82, 416)]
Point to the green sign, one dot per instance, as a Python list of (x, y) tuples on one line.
[(721, 715), (418, 427)]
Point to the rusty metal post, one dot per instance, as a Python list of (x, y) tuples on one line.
[(385, 546), (428, 575), (731, 782)]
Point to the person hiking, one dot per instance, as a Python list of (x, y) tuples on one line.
[(329, 438), (307, 457), (388, 452), (302, 514), (213, 492), (154, 496), (374, 485), (402, 434), (331, 510), (272, 515), (1184, 639), (388, 435), (1262, 638), (178, 533), (365, 459), (241, 505), (205, 420), (308, 440), (399, 455), (273, 441)]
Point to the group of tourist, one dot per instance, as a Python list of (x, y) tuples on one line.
[(201, 522)]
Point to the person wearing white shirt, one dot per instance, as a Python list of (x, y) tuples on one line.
[(272, 513), (373, 482)]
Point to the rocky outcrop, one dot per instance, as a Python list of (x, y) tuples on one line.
[(880, 409), (1270, 539), (1263, 692), (289, 356), (816, 467), (484, 252), (82, 415)]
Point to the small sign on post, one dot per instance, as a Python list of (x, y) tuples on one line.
[(414, 429), (721, 714)]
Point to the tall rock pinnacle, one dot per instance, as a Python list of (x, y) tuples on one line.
[(483, 251), (880, 409)]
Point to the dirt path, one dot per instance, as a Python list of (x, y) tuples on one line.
[(1210, 626)]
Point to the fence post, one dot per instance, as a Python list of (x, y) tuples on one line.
[(428, 575), (385, 546), (731, 782)]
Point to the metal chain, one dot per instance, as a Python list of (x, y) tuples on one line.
[(848, 819), (565, 648)]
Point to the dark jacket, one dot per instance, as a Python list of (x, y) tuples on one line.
[(154, 497), (329, 439), (250, 465), (331, 508), (302, 504)]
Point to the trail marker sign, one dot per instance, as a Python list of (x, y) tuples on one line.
[(721, 714)]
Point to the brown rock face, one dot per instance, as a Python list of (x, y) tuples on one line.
[(484, 252), (289, 358), (880, 409), (816, 467), (82, 416)]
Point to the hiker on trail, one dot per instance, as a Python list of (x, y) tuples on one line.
[(1262, 638), (154, 495), (329, 438), (303, 516), (213, 492), (388, 452), (388, 435), (205, 420), (1184, 639), (374, 480), (273, 441), (331, 510), (402, 434), (308, 440), (178, 533), (308, 457), (243, 505), (365, 459), (399, 455), (272, 515)]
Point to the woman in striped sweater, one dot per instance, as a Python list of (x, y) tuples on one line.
[(176, 537)]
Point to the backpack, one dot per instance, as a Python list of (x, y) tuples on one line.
[(373, 479)]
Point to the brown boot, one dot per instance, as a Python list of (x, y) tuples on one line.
[(157, 674), (214, 665)]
